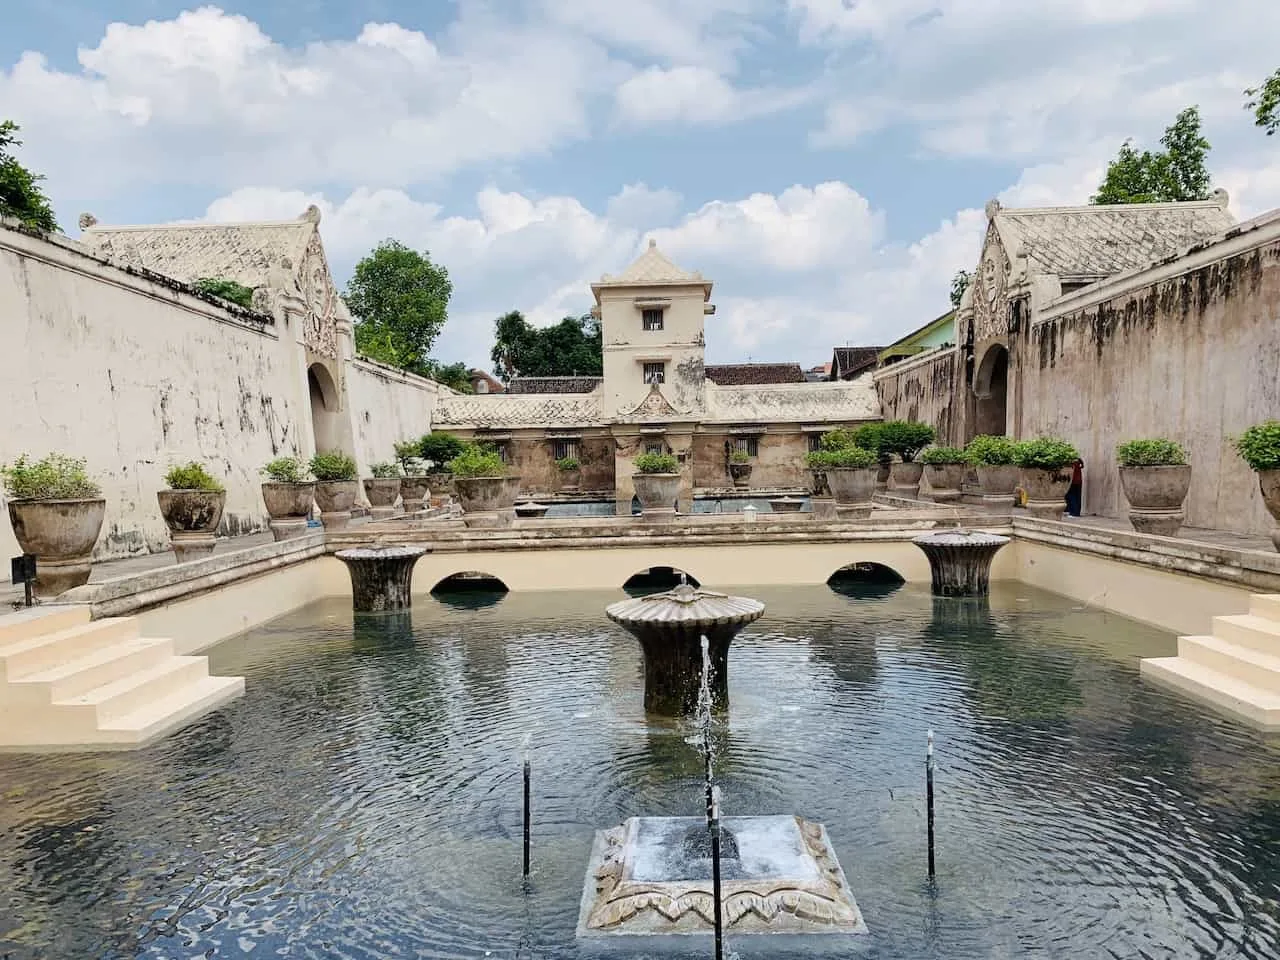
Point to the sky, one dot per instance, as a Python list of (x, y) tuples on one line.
[(824, 162)]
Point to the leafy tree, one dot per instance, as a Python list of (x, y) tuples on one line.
[(1177, 172), (456, 376), (399, 300), (572, 347), (20, 193), (1265, 103), (959, 284)]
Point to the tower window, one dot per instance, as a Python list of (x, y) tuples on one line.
[(652, 319), (655, 373)]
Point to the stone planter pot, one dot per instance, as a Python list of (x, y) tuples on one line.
[(442, 488), (740, 473), (945, 480), (1155, 496), (192, 517), (335, 498), (1046, 490), (1269, 484), (657, 493), (904, 478), (821, 499), (997, 481), (882, 476), (61, 534), (853, 488), (570, 481), (414, 491), (288, 506), (382, 493), (481, 499)]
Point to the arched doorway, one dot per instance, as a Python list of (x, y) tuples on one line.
[(324, 408), (991, 387)]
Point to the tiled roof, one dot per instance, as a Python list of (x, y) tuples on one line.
[(745, 374), (651, 267), (515, 410), (837, 401), (1099, 241), (243, 252), (848, 362), (553, 384)]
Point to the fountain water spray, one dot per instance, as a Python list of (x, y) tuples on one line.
[(928, 781), (528, 813), (713, 794)]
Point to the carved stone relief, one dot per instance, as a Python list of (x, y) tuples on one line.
[(321, 330), (990, 294)]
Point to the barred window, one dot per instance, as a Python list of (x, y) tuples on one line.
[(815, 442), (655, 446), (748, 445), (566, 449), (652, 319), (655, 373)]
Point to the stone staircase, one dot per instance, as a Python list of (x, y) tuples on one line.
[(1237, 669), (69, 683)]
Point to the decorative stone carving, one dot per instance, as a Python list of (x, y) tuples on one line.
[(990, 296), (321, 330), (653, 407), (87, 220), (643, 881)]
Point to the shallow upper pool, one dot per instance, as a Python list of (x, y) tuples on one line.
[(363, 799)]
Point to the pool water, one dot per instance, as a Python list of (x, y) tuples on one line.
[(363, 799)]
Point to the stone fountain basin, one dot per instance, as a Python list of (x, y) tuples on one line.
[(787, 881)]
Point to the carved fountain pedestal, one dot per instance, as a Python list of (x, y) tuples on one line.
[(670, 627), (380, 576), (960, 561)]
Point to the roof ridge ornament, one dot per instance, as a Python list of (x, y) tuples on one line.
[(992, 208)]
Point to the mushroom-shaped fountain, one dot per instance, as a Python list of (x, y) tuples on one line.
[(670, 627), (380, 576), (960, 561)]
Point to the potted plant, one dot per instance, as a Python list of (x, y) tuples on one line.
[(657, 483), (740, 468), (1259, 446), (1155, 477), (382, 489), (868, 437), (479, 476), (905, 439), (1044, 472), (570, 474), (288, 494), (850, 474), (992, 459), (57, 512), (415, 487), (336, 489), (945, 468), (192, 509), (438, 449)]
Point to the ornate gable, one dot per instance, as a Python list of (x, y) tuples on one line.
[(990, 290), (316, 284), (654, 407)]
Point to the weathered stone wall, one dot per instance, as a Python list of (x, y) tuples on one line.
[(928, 389), (780, 463), (532, 455), (1188, 350), (136, 375), (387, 407)]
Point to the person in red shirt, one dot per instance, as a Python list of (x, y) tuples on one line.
[(1076, 488)]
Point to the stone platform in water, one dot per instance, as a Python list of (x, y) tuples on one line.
[(643, 880)]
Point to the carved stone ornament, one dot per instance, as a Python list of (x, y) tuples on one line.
[(794, 885), (653, 407), (990, 298), (321, 331)]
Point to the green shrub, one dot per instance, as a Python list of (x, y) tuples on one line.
[(906, 438), (384, 471), (54, 478), (739, 456), (942, 456), (192, 476), (408, 455), (440, 448), (236, 293), (285, 470), (1157, 452), (838, 439), (656, 463), (1046, 453), (869, 437), (475, 460), (990, 451), (1259, 446), (564, 464), (843, 457), (333, 465)]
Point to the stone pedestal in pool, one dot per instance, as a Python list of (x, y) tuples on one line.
[(380, 576), (670, 627), (645, 878), (960, 561)]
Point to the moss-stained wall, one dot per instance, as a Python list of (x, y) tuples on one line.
[(1194, 357), (780, 463), (928, 390)]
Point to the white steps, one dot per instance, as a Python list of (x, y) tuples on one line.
[(68, 683), (1237, 669)]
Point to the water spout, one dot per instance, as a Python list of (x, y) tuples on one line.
[(712, 794)]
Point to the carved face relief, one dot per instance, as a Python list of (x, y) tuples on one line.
[(990, 277)]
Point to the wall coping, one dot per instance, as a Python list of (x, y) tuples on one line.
[(920, 360), (390, 373), (67, 254)]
